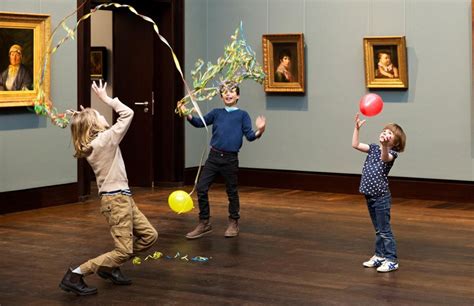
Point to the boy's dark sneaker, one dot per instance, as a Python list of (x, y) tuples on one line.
[(74, 282), (115, 275), (203, 228)]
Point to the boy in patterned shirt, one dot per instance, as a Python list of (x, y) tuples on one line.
[(374, 185)]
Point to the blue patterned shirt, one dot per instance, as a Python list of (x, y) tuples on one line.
[(374, 181)]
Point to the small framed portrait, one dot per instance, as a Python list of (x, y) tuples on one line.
[(98, 63), (23, 44), (385, 62), (283, 62)]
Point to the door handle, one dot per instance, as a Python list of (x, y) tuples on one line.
[(141, 103), (144, 104)]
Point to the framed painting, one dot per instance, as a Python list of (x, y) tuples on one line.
[(283, 62), (23, 44), (385, 62), (98, 63)]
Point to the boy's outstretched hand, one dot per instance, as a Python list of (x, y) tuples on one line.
[(260, 123), (184, 111), (100, 90)]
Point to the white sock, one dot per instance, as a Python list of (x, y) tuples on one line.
[(77, 270)]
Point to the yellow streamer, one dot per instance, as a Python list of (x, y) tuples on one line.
[(43, 106)]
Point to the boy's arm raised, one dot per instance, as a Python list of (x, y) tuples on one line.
[(260, 123)]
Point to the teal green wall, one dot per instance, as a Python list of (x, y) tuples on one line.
[(308, 133), (33, 152), (313, 132)]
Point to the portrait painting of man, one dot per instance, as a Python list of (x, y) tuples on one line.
[(16, 59), (286, 60), (24, 60), (283, 63)]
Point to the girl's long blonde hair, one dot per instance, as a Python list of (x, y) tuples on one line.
[(85, 126)]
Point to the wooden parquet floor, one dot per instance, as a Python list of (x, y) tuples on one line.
[(295, 248)]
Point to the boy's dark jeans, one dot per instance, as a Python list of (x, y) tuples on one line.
[(379, 210), (227, 165)]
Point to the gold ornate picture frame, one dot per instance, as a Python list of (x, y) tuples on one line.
[(23, 44), (385, 62), (283, 62)]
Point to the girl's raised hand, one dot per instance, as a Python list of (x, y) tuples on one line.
[(100, 90), (359, 122)]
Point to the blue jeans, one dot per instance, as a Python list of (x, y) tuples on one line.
[(379, 210)]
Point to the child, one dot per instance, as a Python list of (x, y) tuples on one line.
[(229, 125), (132, 232), (374, 185), (385, 68)]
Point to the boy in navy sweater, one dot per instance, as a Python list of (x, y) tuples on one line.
[(229, 125)]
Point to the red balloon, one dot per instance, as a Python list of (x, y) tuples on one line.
[(370, 105)]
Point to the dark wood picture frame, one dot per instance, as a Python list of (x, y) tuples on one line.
[(98, 63)]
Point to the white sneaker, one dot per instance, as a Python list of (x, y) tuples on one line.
[(374, 262), (388, 266)]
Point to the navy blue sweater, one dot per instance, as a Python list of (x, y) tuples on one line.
[(228, 128)]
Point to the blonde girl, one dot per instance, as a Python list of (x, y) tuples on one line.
[(131, 231)]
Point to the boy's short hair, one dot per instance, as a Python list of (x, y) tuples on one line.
[(400, 137), (229, 85), (283, 53)]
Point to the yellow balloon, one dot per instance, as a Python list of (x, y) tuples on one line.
[(180, 202)]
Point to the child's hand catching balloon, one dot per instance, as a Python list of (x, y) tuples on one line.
[(359, 122)]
